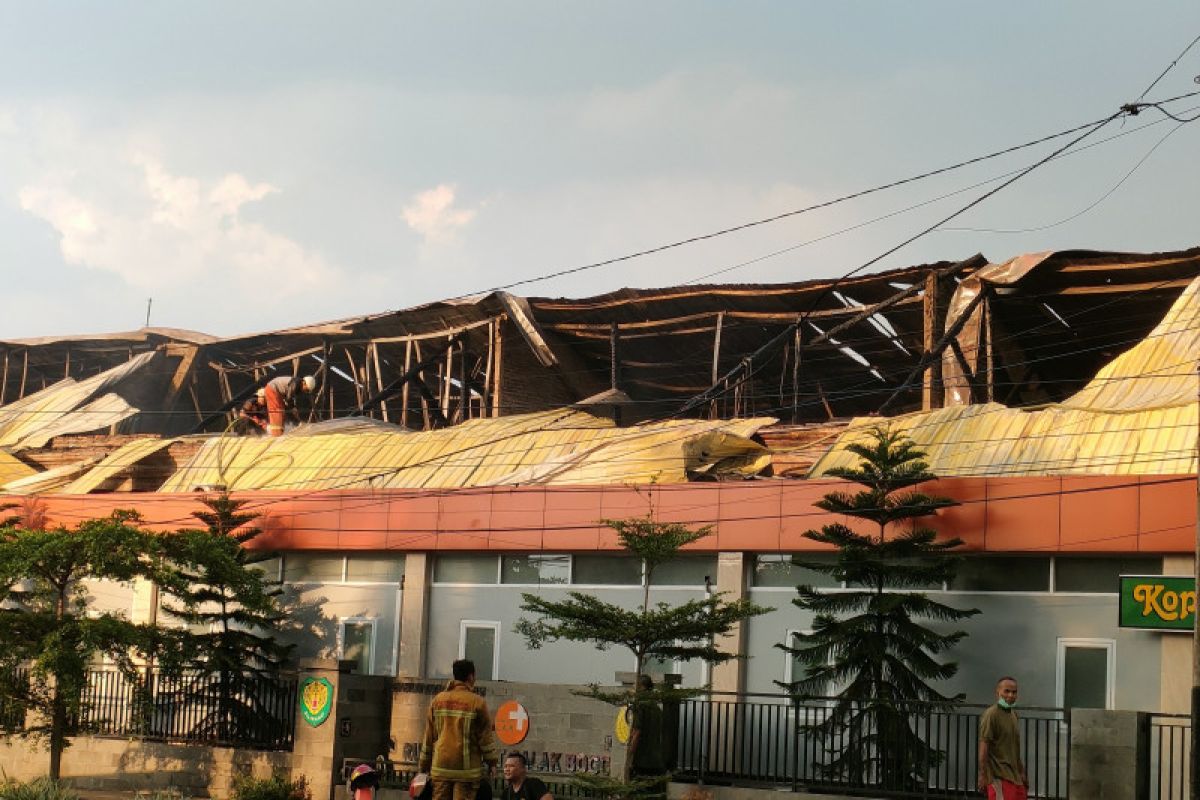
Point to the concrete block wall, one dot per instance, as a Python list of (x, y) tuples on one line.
[(1109, 754), (565, 730), (127, 765)]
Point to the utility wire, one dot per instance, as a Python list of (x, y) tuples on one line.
[(1170, 66), (785, 215), (709, 394)]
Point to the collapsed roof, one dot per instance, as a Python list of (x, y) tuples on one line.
[(1033, 330), (1138, 416)]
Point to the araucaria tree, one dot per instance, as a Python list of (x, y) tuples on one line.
[(684, 632), (232, 608), (873, 644), (48, 625)]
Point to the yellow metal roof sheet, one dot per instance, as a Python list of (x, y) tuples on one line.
[(1138, 416), (115, 463), (13, 468), (550, 447)]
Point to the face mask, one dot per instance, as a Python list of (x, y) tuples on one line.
[(1005, 704)]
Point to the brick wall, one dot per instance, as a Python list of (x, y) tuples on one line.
[(567, 733), (93, 762)]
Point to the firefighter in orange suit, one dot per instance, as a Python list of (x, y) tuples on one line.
[(281, 400)]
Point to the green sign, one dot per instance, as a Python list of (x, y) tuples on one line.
[(316, 700), (1158, 602)]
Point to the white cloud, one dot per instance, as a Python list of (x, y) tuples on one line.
[(432, 214), (159, 230)]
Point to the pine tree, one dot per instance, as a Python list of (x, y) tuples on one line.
[(868, 642), (683, 632), (232, 607)]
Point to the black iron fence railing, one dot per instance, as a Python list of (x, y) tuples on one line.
[(13, 684), (775, 740), (235, 710), (1170, 755)]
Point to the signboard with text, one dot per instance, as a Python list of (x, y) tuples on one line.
[(1158, 602)]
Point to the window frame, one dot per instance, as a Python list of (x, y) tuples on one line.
[(341, 638), (641, 574), (495, 581), (1060, 667), (500, 571), (283, 579), (464, 624)]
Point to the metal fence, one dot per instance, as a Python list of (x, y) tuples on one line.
[(186, 709), (770, 739), (1170, 755)]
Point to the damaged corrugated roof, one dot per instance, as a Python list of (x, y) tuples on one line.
[(547, 448), (1137, 416)]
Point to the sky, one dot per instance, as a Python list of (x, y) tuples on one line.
[(252, 166)]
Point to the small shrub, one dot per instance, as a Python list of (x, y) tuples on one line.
[(277, 787), (38, 789)]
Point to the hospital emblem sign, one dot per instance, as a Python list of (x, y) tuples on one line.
[(512, 723), (316, 700)]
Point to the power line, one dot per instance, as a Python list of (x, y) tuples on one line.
[(785, 215), (1170, 66)]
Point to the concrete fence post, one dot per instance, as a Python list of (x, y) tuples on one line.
[(1110, 754)]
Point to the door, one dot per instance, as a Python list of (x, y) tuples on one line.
[(479, 640), (1086, 673)]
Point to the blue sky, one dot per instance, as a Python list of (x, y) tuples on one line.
[(257, 165)]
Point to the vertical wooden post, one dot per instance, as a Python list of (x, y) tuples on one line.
[(464, 405), (421, 377), (932, 391), (498, 376), (383, 406), (797, 345), (67, 368), (358, 398), (24, 374), (4, 382), (447, 373), (614, 356), (716, 361), (989, 355), (485, 404), (408, 347)]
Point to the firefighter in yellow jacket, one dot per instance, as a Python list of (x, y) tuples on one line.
[(458, 739)]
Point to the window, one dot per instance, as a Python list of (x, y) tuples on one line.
[(607, 570), (269, 567), (783, 571), (478, 640), (685, 571), (357, 637), (535, 569), (464, 569), (1002, 574), (374, 568), (312, 568), (794, 669), (1086, 670), (656, 666), (1099, 573)]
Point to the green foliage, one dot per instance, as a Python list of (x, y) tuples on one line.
[(47, 623), (682, 632), (218, 590), (277, 787), (38, 789), (868, 640)]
